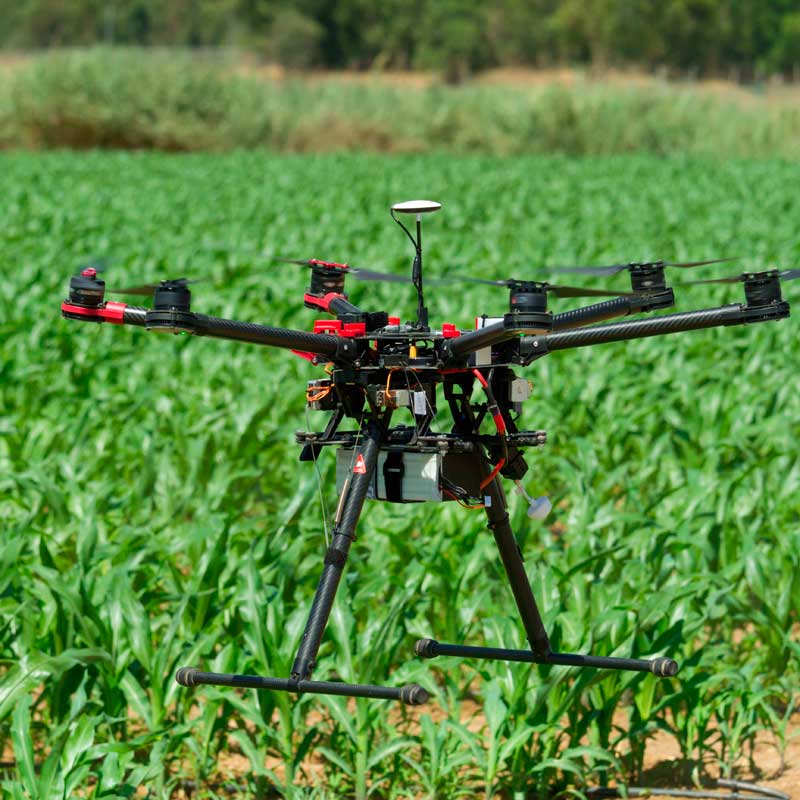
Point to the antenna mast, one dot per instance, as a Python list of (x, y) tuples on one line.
[(417, 207)]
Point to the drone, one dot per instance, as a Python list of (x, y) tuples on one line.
[(377, 368)]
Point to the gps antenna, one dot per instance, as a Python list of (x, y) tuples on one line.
[(418, 207)]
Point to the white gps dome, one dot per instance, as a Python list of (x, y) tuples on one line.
[(416, 207)]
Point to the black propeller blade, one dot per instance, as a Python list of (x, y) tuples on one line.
[(147, 289), (613, 269), (346, 269), (550, 288), (357, 273), (784, 275)]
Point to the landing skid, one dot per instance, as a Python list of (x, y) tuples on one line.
[(353, 495)]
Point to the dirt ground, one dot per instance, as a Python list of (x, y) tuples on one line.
[(663, 766)]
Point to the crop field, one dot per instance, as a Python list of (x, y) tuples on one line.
[(154, 513)]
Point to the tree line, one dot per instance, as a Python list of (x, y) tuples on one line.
[(745, 39)]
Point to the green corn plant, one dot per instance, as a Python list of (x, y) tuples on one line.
[(153, 514)]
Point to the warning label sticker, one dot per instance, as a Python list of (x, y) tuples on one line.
[(360, 468)]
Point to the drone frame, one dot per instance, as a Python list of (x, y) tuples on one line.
[(364, 348)]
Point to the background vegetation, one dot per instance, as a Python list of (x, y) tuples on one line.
[(152, 510), (168, 100), (743, 38), (154, 513)]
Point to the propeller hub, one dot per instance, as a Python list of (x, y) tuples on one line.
[(326, 279), (648, 277)]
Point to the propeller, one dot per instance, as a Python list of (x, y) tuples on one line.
[(552, 288), (346, 269), (784, 275), (148, 288), (613, 269), (334, 266)]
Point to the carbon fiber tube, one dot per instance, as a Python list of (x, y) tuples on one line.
[(661, 667), (618, 307), (597, 312), (134, 315), (319, 343), (339, 305), (634, 329), (483, 337), (496, 509), (411, 694), (336, 557)]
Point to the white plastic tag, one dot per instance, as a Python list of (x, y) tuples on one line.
[(420, 403)]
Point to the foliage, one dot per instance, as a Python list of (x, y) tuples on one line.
[(154, 514), (118, 98), (746, 37)]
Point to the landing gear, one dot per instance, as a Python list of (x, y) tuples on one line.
[(354, 493)]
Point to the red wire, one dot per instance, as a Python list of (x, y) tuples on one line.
[(499, 424), (480, 378), (486, 481)]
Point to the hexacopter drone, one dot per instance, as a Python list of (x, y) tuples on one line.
[(377, 365)]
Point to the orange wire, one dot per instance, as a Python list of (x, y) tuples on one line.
[(388, 380), (461, 502), (315, 397)]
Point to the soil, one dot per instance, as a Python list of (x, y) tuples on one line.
[(664, 766)]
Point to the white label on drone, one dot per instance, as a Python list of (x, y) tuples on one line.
[(420, 403)]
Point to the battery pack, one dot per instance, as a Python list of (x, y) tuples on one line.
[(401, 477), (410, 477)]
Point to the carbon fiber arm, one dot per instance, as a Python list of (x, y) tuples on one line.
[(608, 309), (318, 343), (532, 347), (134, 315), (489, 336)]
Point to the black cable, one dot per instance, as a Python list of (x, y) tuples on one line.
[(757, 792), (416, 277), (394, 217)]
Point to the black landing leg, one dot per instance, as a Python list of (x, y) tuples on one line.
[(540, 652), (353, 495)]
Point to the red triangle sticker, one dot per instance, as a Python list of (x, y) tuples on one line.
[(360, 468)]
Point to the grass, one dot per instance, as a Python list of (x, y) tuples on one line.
[(154, 514), (166, 100)]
